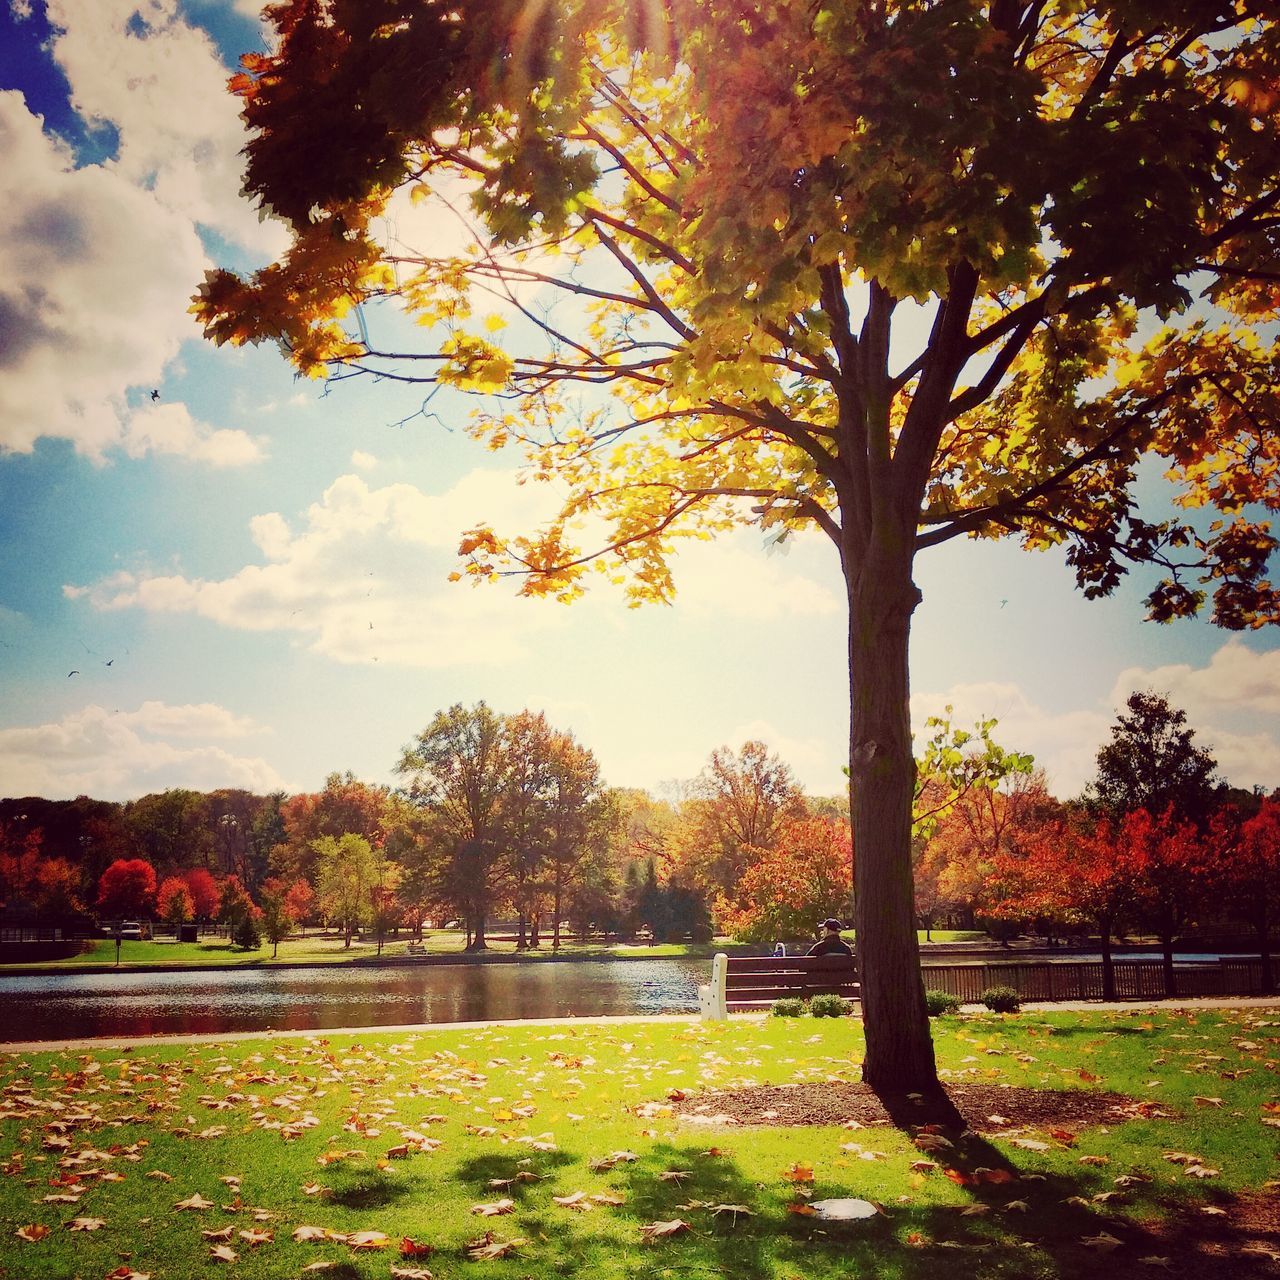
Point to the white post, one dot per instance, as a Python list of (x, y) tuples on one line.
[(712, 1006)]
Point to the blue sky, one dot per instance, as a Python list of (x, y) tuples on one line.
[(249, 576)]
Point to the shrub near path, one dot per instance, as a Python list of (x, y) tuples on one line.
[(558, 1150)]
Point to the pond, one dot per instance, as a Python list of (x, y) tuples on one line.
[(66, 1006)]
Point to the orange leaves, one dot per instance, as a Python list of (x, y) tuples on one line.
[(798, 1173), (410, 1248), (32, 1232)]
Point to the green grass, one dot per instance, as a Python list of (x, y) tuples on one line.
[(550, 1100), (329, 949)]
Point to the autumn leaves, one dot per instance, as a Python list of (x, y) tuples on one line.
[(543, 1150)]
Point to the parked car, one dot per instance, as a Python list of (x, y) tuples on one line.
[(134, 930)]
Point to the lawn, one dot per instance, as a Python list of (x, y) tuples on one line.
[(330, 949), (556, 1150)]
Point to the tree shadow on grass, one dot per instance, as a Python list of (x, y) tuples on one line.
[(368, 1189), (1009, 1221), (481, 1172)]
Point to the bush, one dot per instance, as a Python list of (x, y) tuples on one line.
[(788, 1007), (940, 1002), (246, 934), (1001, 999), (701, 933), (830, 1006)]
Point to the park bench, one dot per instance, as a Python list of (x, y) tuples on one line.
[(415, 949), (753, 983)]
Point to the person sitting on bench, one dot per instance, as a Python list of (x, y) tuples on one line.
[(831, 943)]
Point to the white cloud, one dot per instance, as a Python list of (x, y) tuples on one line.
[(170, 428), (363, 461), (363, 579), (194, 720), (137, 65), (95, 280), (118, 756), (1064, 743), (98, 264), (1236, 678), (1244, 759)]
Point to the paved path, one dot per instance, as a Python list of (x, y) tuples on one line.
[(1044, 1006)]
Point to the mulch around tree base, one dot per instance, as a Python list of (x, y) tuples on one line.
[(986, 1109)]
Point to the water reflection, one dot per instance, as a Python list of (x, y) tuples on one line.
[(57, 1006)]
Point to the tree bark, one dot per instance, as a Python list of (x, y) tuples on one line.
[(1166, 955), (1108, 965), (899, 1054)]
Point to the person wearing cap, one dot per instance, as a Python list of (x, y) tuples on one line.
[(831, 943)]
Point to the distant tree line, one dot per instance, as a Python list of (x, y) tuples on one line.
[(502, 817)]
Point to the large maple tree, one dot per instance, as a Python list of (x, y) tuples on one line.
[(748, 208)]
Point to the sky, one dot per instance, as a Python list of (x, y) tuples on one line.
[(217, 575)]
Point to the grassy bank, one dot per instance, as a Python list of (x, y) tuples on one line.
[(331, 949), (561, 1143)]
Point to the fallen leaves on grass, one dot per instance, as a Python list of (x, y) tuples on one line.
[(223, 1253), (488, 1248), (494, 1208), (660, 1230), (195, 1201), (86, 1224), (32, 1231)]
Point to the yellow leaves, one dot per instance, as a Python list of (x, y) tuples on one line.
[(473, 364)]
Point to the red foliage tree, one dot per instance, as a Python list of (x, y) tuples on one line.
[(19, 862), (1070, 869), (300, 901), (1248, 871), (204, 893), (173, 901), (127, 888), (1168, 863)]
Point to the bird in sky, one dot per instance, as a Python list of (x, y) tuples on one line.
[(155, 395), (72, 673)]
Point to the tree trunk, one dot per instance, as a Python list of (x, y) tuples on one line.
[(899, 1055), (521, 941), (1263, 927), (477, 939), (555, 918), (1108, 966), (1170, 977)]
